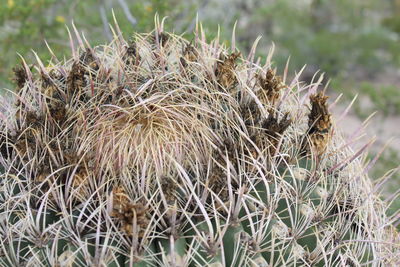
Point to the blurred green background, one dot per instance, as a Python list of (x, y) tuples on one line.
[(356, 43)]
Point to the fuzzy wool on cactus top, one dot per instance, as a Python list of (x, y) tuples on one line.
[(165, 152)]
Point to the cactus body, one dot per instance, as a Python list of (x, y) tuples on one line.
[(161, 152)]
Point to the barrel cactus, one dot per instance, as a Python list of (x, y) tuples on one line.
[(159, 151)]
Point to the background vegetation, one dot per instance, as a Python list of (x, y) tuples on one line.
[(355, 42)]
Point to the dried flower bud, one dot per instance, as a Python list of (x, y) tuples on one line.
[(319, 123), (271, 86), (225, 70)]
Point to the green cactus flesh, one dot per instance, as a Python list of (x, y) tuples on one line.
[(161, 152)]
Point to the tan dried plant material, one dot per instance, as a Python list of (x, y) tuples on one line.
[(275, 129), (169, 187), (54, 102), (40, 178), (189, 54), (43, 173), (80, 181), (159, 39), (268, 134), (131, 56), (20, 76), (218, 183), (32, 119), (251, 113), (5, 145), (26, 143), (271, 86), (57, 111), (218, 180), (44, 180), (133, 217), (319, 123), (88, 58), (48, 87), (76, 78), (225, 71)]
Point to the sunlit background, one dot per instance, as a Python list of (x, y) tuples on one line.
[(355, 43)]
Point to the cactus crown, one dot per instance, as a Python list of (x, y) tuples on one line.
[(164, 152)]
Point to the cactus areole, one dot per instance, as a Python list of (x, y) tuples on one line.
[(165, 152)]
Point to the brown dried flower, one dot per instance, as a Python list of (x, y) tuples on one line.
[(76, 78), (20, 76), (189, 54), (319, 123), (275, 129), (131, 216), (251, 113), (88, 58), (80, 181), (131, 56), (225, 70), (270, 87), (218, 183), (168, 187)]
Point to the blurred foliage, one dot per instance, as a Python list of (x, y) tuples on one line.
[(336, 37), (385, 99)]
